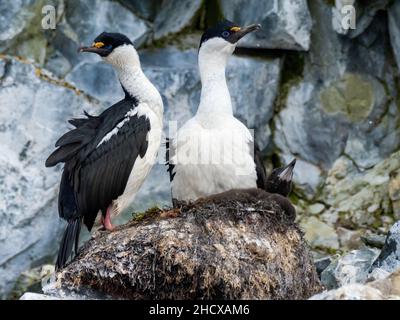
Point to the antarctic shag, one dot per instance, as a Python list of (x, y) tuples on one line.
[(107, 157), (213, 151)]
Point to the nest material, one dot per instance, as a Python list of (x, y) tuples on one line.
[(237, 245)]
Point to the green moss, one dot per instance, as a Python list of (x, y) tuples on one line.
[(294, 198), (139, 216), (32, 43), (331, 251), (352, 96)]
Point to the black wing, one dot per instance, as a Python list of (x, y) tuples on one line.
[(96, 173), (260, 169)]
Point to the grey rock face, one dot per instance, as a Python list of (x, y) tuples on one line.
[(351, 268), (110, 16), (15, 15), (144, 9), (340, 105), (34, 112), (77, 29), (394, 29), (354, 291), (389, 258), (364, 11), (98, 80), (174, 16), (321, 264), (359, 198), (285, 24), (387, 288)]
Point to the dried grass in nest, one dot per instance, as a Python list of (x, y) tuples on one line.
[(237, 245)]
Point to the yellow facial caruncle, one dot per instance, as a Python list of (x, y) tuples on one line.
[(235, 29), (98, 44)]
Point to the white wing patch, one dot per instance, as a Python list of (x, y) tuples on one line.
[(135, 111)]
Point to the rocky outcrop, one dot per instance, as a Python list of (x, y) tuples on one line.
[(384, 289), (174, 16), (340, 118), (285, 24), (389, 258), (236, 245), (364, 274), (353, 267), (34, 109)]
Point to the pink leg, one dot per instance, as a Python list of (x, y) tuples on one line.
[(106, 221)]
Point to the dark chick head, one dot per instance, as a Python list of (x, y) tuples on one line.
[(114, 48), (280, 180), (225, 33)]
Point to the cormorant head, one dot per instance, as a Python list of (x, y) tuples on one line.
[(280, 180), (224, 37), (114, 48)]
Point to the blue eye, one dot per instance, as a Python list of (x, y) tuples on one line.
[(108, 47), (225, 34)]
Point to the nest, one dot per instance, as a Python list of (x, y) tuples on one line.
[(241, 244)]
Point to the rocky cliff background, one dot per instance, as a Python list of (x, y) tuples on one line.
[(311, 90)]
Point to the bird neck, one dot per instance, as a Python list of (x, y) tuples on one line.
[(137, 85), (215, 97)]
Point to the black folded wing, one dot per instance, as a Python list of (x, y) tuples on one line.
[(99, 155)]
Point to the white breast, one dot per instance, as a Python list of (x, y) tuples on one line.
[(212, 158)]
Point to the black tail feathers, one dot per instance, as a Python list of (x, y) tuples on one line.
[(70, 239)]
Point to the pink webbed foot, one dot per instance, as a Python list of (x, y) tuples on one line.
[(106, 221)]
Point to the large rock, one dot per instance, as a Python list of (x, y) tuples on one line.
[(236, 245), (285, 24), (389, 258), (76, 29), (144, 9), (174, 16), (319, 234), (394, 29), (384, 289), (361, 199), (21, 30), (16, 15), (350, 268), (35, 108), (364, 11), (342, 104), (338, 100)]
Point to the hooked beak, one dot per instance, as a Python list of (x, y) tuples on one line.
[(100, 51), (243, 31), (287, 172)]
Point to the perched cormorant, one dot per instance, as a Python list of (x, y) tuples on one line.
[(107, 157), (213, 151)]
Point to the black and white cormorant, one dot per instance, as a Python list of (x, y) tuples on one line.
[(107, 157), (212, 152)]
